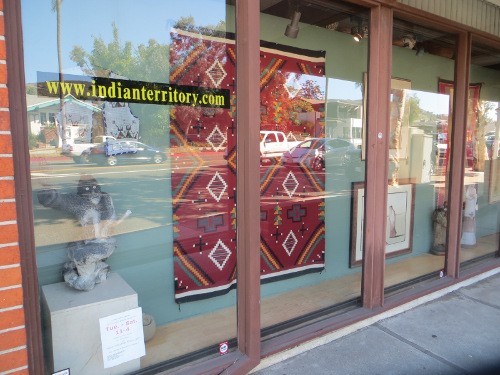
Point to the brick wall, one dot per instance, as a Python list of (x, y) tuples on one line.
[(13, 353)]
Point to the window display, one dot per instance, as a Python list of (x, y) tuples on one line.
[(418, 152), (311, 93), (134, 199), (480, 235)]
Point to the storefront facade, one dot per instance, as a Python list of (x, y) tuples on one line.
[(137, 139)]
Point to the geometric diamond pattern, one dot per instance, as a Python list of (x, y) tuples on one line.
[(290, 184), (220, 254), (217, 186), (290, 243), (216, 73), (216, 139)]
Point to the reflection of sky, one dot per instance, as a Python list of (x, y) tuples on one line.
[(348, 90), (438, 104), (345, 90), (81, 20)]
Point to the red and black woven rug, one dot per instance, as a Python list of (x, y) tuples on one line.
[(203, 148)]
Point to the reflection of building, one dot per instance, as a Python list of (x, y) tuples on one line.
[(119, 121), (81, 119), (314, 121), (344, 120), (44, 113)]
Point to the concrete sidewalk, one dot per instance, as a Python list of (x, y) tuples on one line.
[(457, 333)]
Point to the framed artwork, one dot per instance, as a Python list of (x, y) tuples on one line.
[(399, 128), (399, 231), (494, 181), (448, 88)]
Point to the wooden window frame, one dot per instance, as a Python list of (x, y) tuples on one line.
[(250, 350), (247, 354)]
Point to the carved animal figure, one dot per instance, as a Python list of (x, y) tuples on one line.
[(95, 212), (90, 206)]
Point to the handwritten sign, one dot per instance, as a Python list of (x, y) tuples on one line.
[(122, 337)]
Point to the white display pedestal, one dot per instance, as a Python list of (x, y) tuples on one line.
[(72, 319)]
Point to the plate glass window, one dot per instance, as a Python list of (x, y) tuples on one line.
[(312, 105), (419, 154), (132, 152), (481, 195)]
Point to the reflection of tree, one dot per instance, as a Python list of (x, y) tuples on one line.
[(56, 7), (397, 115), (297, 106), (311, 90), (479, 144), (278, 102), (413, 112), (283, 109), (147, 62), (182, 47)]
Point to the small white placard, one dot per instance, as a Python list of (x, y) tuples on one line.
[(122, 337)]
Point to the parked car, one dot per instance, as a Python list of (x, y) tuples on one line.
[(124, 151), (274, 143), (78, 149), (313, 152)]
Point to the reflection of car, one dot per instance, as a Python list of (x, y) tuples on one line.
[(441, 149), (490, 139), (124, 151), (354, 166), (274, 143), (313, 152), (78, 149)]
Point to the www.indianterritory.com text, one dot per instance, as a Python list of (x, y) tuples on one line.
[(137, 92)]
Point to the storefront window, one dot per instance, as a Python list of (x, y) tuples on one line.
[(420, 131), (312, 95), (481, 194), (132, 150)]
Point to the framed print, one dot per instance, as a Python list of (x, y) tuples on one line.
[(494, 180), (399, 128), (399, 227), (448, 88)]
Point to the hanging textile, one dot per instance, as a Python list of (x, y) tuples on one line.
[(203, 149)]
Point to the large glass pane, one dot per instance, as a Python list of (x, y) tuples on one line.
[(481, 209), (312, 162), (131, 109), (420, 127)]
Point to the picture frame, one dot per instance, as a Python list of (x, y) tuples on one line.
[(401, 137), (494, 181), (400, 210)]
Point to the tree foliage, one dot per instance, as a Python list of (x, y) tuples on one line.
[(311, 90), (146, 62)]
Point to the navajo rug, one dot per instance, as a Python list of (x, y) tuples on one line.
[(203, 148)]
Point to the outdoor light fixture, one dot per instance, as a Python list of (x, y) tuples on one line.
[(356, 34), (292, 29), (356, 30), (420, 49)]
